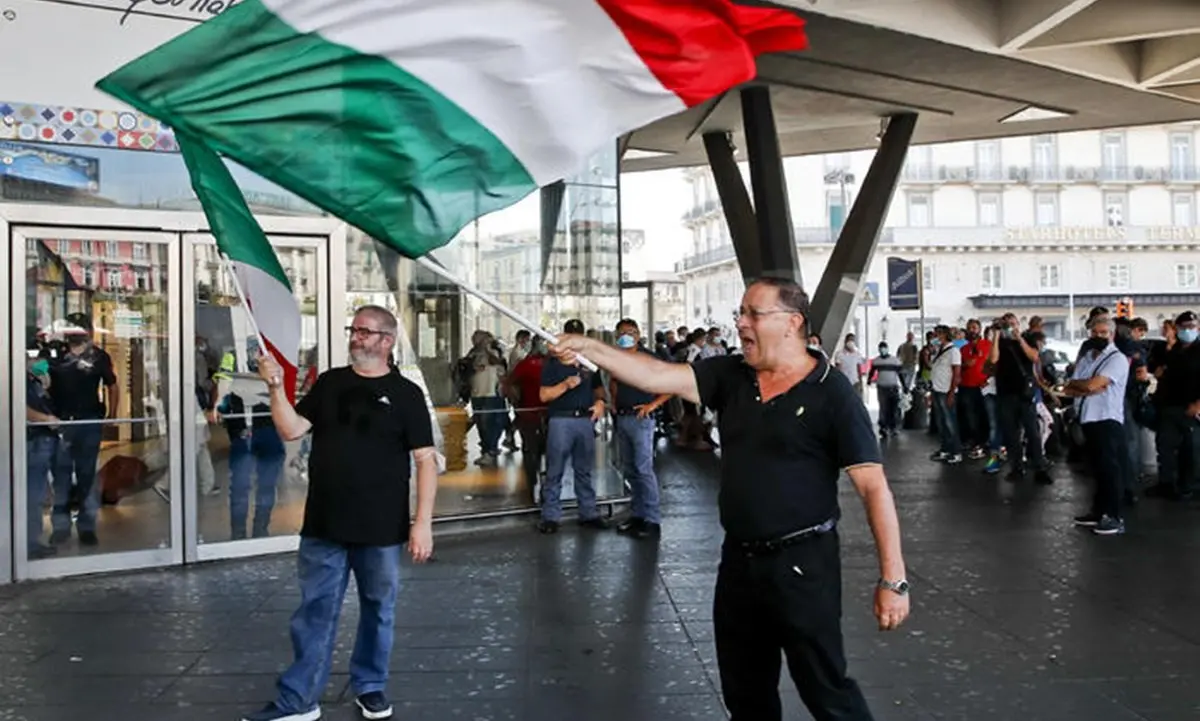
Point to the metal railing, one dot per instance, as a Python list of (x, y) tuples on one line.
[(803, 237), (1038, 173)]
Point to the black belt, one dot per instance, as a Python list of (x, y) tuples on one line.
[(581, 413), (628, 411), (772, 545)]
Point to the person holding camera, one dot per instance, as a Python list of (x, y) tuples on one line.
[(1015, 360)]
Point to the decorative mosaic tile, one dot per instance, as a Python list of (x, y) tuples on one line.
[(84, 126)]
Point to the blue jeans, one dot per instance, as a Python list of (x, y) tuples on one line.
[(993, 420), (77, 454), (574, 439), (947, 422), (972, 416), (40, 452), (636, 438), (263, 451), (324, 570), (490, 421)]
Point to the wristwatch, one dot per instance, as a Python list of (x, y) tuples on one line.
[(900, 587)]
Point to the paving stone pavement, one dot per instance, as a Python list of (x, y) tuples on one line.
[(1016, 616)]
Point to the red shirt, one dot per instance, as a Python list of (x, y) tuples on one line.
[(527, 377), (972, 373)]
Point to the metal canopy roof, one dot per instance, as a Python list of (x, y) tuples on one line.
[(965, 66)]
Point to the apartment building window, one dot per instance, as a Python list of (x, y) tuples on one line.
[(89, 248), (89, 275), (64, 247), (1183, 211), (1118, 276), (1185, 275), (139, 251), (920, 212), (919, 164), (111, 249), (1049, 277), (835, 208), (1112, 155), (1045, 157), (1045, 208), (988, 163), (990, 214), (112, 279), (992, 277), (1115, 205), (1183, 159), (142, 279)]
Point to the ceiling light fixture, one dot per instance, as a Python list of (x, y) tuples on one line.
[(1033, 112), (639, 154)]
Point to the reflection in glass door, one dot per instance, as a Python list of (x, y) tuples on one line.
[(248, 484), (96, 472)]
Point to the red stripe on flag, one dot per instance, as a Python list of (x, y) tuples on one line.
[(290, 372), (700, 48)]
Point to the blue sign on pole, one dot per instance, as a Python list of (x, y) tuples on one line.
[(904, 284), (869, 298)]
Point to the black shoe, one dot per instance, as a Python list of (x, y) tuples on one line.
[(88, 538), (271, 712), (1109, 526), (1088, 520), (648, 530), (547, 527), (595, 523), (374, 705), (631, 525)]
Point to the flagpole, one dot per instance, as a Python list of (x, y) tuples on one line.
[(237, 289), (516, 317)]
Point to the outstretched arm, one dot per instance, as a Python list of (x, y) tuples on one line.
[(640, 370)]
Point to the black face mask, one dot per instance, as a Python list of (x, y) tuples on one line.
[(1096, 344)]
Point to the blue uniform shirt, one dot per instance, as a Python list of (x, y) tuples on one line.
[(579, 398), (628, 396)]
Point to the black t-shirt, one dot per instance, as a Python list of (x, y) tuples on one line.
[(1014, 371), (1179, 386), (75, 383), (780, 461), (363, 430)]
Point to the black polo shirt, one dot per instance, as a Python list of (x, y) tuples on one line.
[(579, 398), (629, 397), (781, 460)]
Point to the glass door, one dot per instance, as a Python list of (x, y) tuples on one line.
[(246, 486), (95, 323)]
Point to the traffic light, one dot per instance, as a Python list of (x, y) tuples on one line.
[(1125, 308)]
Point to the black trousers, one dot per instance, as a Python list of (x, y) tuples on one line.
[(1178, 446), (1018, 418), (788, 603), (1105, 441)]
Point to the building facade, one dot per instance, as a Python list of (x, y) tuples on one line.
[(1046, 225)]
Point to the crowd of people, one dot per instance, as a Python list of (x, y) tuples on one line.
[(997, 394)]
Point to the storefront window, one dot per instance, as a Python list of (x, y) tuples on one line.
[(107, 177), (549, 272)]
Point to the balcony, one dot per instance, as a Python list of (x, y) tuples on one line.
[(699, 211), (1037, 174), (805, 237)]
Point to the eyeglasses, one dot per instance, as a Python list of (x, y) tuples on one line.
[(356, 331), (756, 315)]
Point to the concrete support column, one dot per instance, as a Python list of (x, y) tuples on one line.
[(735, 201), (776, 241), (837, 294)]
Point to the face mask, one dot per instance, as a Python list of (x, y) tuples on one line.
[(935, 342), (814, 346), (883, 352), (626, 341), (1097, 343), (1188, 335), (40, 367), (851, 346)]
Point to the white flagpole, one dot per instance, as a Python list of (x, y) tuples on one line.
[(428, 264), (237, 289)]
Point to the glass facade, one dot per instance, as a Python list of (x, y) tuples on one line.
[(176, 460)]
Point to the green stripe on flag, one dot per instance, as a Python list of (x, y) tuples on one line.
[(353, 134), (238, 234)]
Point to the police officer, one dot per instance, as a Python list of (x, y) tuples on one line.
[(575, 401), (635, 435), (789, 425)]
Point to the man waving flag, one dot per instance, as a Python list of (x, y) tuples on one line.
[(410, 118)]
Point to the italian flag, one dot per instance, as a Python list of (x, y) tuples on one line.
[(411, 118)]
